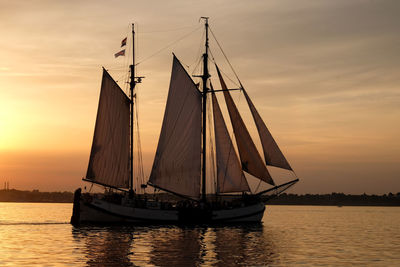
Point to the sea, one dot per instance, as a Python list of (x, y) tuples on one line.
[(39, 234)]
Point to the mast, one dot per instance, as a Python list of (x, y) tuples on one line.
[(132, 85), (204, 77)]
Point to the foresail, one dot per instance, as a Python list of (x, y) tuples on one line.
[(177, 163), (249, 156), (109, 156), (230, 176), (272, 153)]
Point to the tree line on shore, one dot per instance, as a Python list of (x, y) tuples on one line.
[(13, 195), (336, 199), (333, 199)]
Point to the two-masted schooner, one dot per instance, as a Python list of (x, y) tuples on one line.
[(179, 169)]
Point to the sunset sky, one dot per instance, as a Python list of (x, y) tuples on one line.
[(324, 75)]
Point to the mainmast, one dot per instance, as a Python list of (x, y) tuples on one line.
[(204, 77)]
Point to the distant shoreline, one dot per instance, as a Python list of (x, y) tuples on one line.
[(34, 196), (334, 199)]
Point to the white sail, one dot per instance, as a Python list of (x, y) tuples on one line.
[(230, 176), (177, 163), (249, 156), (272, 153), (109, 156)]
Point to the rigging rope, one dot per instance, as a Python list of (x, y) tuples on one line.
[(258, 186), (211, 144), (198, 56), (139, 147), (167, 46), (226, 58), (226, 75), (170, 30), (127, 58)]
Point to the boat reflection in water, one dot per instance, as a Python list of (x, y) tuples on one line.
[(176, 246), (105, 246)]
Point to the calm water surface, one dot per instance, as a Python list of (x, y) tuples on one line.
[(39, 235)]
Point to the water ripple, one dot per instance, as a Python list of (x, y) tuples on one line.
[(40, 235)]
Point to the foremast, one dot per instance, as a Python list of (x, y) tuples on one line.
[(205, 78), (132, 84)]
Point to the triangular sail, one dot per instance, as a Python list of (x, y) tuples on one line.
[(177, 163), (272, 153), (249, 156), (230, 176), (109, 156)]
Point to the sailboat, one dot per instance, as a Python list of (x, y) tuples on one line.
[(179, 169)]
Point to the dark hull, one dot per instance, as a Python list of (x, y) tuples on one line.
[(97, 211)]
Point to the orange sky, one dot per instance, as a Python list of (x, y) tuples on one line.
[(323, 74)]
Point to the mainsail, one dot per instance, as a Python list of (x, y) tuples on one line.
[(272, 153), (109, 156), (249, 156), (177, 163), (230, 176)]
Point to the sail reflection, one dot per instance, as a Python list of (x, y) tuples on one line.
[(176, 246), (246, 244), (105, 246)]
